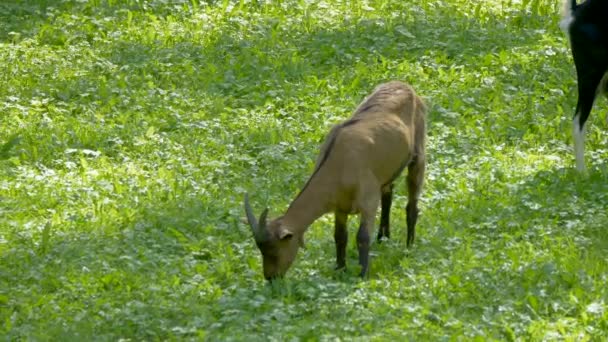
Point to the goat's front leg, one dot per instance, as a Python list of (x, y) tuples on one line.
[(341, 239), (363, 241), (385, 202)]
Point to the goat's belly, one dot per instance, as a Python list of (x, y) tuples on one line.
[(388, 167), (350, 210), (345, 202)]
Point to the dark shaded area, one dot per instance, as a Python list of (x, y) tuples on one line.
[(447, 35), (7, 147), (566, 196), (256, 71), (150, 266), (21, 19)]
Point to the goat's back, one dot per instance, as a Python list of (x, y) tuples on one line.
[(396, 98), (382, 137)]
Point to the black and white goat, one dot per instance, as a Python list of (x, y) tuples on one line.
[(587, 27)]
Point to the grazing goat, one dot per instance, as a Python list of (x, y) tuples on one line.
[(354, 173), (587, 27)]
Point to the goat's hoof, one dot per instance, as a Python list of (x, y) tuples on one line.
[(383, 234), (364, 272), (383, 238)]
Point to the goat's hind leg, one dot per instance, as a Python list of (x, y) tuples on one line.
[(385, 203), (588, 83), (591, 64), (415, 179), (341, 239)]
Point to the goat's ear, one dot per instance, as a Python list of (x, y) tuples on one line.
[(285, 234), (258, 227)]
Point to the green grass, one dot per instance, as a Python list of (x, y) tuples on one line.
[(130, 130)]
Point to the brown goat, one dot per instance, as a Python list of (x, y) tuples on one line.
[(354, 173)]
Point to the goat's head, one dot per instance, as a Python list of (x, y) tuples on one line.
[(277, 242)]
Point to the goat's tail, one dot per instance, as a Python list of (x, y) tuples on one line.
[(420, 126), (567, 14)]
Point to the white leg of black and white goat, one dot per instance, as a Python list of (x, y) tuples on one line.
[(587, 27)]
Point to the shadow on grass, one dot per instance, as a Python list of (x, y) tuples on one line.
[(248, 73), (257, 69), (173, 268), (20, 19), (145, 274), (574, 204), (261, 64)]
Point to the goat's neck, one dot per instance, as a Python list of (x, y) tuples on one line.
[(312, 202)]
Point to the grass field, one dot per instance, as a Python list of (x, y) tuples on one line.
[(130, 130)]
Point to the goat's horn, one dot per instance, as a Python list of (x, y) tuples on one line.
[(250, 217)]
